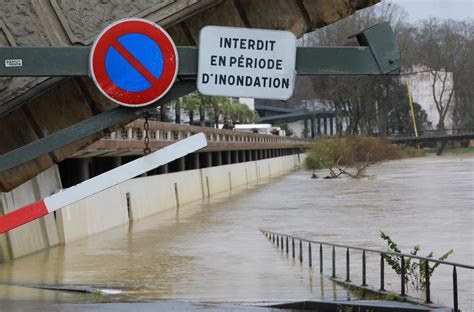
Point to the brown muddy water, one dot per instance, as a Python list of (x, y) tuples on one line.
[(212, 250)]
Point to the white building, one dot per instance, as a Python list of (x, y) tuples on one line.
[(421, 81)]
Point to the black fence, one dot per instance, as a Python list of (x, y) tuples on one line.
[(288, 242)]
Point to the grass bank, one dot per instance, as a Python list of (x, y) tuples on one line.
[(355, 151)]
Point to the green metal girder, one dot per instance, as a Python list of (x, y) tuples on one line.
[(336, 61), (45, 61), (70, 61), (87, 127), (379, 54), (73, 61)]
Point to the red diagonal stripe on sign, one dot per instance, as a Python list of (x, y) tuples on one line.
[(135, 63), (23, 215)]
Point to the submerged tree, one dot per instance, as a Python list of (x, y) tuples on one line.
[(349, 156)]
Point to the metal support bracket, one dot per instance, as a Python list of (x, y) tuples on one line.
[(378, 54), (383, 45)]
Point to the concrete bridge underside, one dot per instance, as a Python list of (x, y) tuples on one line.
[(32, 108), (225, 147)]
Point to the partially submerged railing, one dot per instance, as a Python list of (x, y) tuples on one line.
[(280, 239)]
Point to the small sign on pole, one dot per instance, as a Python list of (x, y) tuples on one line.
[(244, 62)]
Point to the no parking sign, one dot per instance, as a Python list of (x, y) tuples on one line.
[(133, 62)]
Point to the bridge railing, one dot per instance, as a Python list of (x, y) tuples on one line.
[(163, 131), (437, 132), (280, 239)]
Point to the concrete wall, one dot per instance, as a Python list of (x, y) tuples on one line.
[(38, 234), (150, 195)]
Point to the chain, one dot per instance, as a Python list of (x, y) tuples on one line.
[(147, 149)]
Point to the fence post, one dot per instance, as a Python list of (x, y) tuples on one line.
[(333, 262), (287, 245), (293, 246), (348, 266), (301, 251), (363, 269), (281, 242), (427, 281), (321, 258), (455, 289), (278, 242), (402, 276), (382, 275), (310, 260)]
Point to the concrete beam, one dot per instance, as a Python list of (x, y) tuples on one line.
[(208, 159), (196, 164), (181, 164), (219, 158), (228, 155)]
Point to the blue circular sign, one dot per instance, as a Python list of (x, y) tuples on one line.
[(142, 48)]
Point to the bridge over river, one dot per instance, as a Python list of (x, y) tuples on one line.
[(212, 250), (443, 137)]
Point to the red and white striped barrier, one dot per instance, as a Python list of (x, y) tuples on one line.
[(101, 182)]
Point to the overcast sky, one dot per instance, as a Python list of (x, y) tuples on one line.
[(443, 9)]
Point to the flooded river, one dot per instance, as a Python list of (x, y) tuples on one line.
[(212, 250)]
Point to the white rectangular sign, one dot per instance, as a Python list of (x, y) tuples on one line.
[(243, 62), (14, 63)]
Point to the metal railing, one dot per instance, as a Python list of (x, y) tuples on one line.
[(427, 134), (446, 132), (164, 131), (280, 239)]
